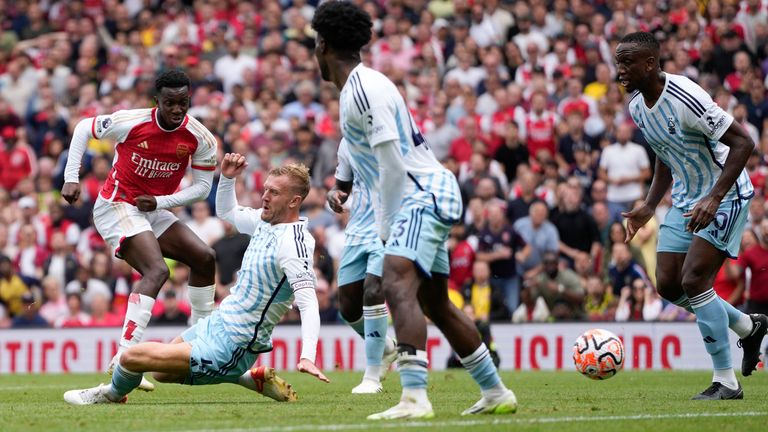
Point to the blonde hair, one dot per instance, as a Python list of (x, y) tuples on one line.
[(298, 172)]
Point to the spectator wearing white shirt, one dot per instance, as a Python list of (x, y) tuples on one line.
[(210, 229), (624, 165), (231, 68)]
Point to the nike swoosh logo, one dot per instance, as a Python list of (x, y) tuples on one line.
[(758, 324)]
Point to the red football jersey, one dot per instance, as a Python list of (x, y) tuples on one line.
[(150, 160)]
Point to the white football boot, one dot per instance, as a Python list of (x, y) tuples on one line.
[(408, 408), (368, 386), (95, 395), (504, 404)]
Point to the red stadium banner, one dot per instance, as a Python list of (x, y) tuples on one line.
[(521, 347)]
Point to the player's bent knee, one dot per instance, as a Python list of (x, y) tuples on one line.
[(133, 359)]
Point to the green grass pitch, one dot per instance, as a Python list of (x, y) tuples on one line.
[(561, 401)]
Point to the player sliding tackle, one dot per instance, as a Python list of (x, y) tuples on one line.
[(152, 152), (419, 200), (701, 154), (360, 295), (277, 270)]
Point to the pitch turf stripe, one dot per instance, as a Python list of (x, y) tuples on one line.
[(510, 420)]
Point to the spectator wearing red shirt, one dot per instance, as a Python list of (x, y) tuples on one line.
[(75, 316), (755, 258), (100, 313), (463, 146), (729, 282), (17, 160), (540, 127)]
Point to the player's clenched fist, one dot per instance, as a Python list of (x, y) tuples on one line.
[(70, 192), (232, 165)]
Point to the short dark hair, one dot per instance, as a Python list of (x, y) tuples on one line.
[(343, 26), (173, 78), (644, 39)]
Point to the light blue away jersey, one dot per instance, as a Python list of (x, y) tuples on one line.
[(362, 227), (683, 128), (372, 112), (278, 262)]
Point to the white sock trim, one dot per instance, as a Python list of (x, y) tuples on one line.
[(703, 299), (743, 326), (476, 357), (374, 312)]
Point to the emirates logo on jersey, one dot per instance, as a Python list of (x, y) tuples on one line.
[(182, 151)]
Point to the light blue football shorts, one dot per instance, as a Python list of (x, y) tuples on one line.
[(215, 358), (724, 232), (359, 260), (419, 235)]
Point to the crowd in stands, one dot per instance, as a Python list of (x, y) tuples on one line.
[(517, 98)]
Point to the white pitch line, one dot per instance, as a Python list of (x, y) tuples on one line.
[(493, 422), (31, 387)]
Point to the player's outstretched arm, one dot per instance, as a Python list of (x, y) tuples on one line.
[(82, 133), (244, 219), (637, 217), (306, 300), (741, 146)]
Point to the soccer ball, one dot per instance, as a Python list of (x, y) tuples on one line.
[(598, 354)]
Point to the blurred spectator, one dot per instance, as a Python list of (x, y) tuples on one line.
[(61, 263), (325, 300), (524, 194), (623, 270), (575, 138), (31, 256), (498, 244), (540, 237), (54, 305), (462, 249), (304, 107), (478, 292), (599, 303), (171, 315), (617, 233), (12, 288), (576, 228), (729, 283), (559, 285), (75, 316), (755, 258), (17, 160), (101, 316), (512, 152), (231, 68), (229, 252), (29, 216), (207, 227), (29, 316), (533, 308), (638, 302), (624, 165), (86, 285), (442, 134), (540, 128)]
